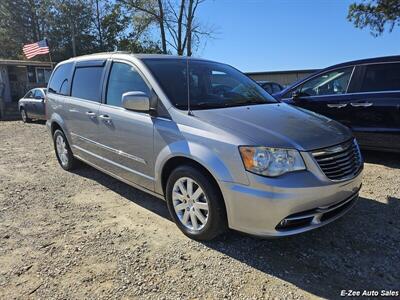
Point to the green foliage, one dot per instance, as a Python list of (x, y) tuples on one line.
[(378, 15)]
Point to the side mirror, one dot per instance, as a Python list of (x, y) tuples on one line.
[(295, 95), (137, 101)]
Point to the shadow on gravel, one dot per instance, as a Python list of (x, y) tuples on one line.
[(387, 159), (360, 251), (137, 196)]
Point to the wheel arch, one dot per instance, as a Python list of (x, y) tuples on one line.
[(56, 122), (176, 161)]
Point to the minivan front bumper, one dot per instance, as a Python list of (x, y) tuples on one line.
[(287, 205)]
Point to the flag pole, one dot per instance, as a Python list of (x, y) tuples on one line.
[(51, 61)]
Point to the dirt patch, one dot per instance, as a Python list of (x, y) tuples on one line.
[(87, 235)]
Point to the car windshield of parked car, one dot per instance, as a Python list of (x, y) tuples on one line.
[(209, 84)]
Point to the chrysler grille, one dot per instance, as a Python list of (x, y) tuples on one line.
[(340, 162)]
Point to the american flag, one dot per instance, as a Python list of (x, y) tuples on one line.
[(31, 50)]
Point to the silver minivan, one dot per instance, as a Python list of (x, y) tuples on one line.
[(219, 149)]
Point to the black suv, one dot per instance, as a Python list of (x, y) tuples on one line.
[(363, 95)]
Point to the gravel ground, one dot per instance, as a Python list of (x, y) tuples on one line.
[(86, 235)]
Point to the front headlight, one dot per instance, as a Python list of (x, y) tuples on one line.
[(271, 162)]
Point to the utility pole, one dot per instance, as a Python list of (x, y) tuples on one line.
[(99, 26), (72, 26)]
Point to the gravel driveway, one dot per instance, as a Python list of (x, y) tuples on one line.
[(86, 235)]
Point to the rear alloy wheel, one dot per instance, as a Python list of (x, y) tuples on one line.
[(63, 151), (195, 203), (24, 116)]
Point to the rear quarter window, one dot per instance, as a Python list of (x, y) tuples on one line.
[(381, 77), (59, 83)]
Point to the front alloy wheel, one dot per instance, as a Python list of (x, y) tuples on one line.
[(190, 203), (195, 203)]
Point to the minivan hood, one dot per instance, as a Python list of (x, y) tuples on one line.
[(278, 125)]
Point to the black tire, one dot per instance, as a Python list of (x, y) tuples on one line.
[(69, 162), (216, 223), (24, 116)]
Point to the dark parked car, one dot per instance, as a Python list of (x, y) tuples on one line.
[(270, 87), (363, 95), (31, 106)]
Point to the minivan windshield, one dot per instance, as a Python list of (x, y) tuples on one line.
[(211, 85)]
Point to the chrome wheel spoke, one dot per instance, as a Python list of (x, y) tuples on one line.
[(189, 187), (185, 217), (201, 205), (182, 189), (197, 194), (180, 207), (193, 219), (199, 216), (178, 196)]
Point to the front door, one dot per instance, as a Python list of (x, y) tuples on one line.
[(126, 136), (38, 103), (326, 94)]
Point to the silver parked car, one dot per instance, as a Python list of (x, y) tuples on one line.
[(32, 106), (230, 157)]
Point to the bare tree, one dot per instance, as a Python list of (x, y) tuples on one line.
[(153, 8), (98, 25), (178, 18)]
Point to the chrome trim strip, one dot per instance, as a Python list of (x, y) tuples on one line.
[(120, 178), (333, 149), (350, 94), (323, 209), (113, 163), (119, 152)]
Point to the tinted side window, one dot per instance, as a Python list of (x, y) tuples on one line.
[(87, 82), (275, 88), (38, 94), (124, 78), (59, 82), (381, 77), (330, 83), (268, 88)]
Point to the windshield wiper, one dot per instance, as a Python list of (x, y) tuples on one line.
[(247, 102)]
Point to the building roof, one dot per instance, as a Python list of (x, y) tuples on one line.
[(11, 62)]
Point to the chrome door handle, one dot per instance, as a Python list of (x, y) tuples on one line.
[(91, 114), (336, 105), (361, 104), (105, 118)]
